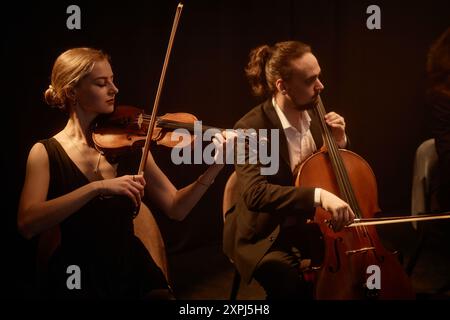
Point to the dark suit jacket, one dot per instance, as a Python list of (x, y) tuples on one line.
[(264, 201), (440, 106)]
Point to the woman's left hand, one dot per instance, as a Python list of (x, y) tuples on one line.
[(337, 124)]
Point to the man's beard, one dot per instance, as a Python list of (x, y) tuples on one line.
[(308, 106)]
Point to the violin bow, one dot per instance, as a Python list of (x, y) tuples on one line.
[(158, 93)]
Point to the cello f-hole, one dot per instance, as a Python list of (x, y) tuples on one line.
[(338, 258)]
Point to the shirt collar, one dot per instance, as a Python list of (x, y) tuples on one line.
[(305, 119)]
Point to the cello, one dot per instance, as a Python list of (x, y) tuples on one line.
[(351, 255)]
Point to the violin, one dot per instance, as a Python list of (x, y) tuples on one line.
[(126, 129)]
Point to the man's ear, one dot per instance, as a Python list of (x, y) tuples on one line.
[(281, 86)]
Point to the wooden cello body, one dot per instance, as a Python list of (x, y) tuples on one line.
[(355, 264)]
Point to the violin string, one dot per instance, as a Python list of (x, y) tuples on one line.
[(147, 118), (173, 125), (177, 124)]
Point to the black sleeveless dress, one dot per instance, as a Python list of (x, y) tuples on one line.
[(99, 239)]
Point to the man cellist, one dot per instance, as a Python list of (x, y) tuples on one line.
[(261, 236)]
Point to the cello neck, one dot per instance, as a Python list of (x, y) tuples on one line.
[(330, 143)]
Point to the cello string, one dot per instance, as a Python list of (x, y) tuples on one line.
[(341, 168), (328, 143), (332, 150), (348, 189), (334, 157), (340, 171)]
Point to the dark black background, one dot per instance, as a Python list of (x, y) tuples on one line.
[(374, 78)]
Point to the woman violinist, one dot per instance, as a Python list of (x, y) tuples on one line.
[(71, 184)]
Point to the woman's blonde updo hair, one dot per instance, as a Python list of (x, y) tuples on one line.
[(69, 68), (267, 64)]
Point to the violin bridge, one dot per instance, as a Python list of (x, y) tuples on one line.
[(140, 120), (352, 252)]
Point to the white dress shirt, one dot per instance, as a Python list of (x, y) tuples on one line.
[(300, 143)]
